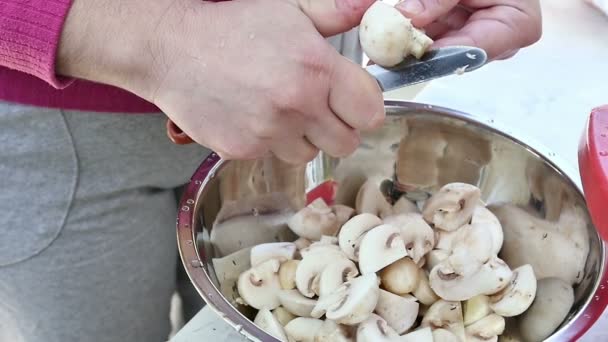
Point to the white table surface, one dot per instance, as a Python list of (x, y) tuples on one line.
[(545, 92)]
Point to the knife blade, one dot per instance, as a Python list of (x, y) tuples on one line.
[(434, 64)]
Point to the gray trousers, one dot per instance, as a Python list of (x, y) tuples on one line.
[(87, 223)]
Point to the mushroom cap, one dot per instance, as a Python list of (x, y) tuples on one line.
[(452, 206), (484, 217), (282, 251), (282, 315), (475, 309), (371, 200), (314, 221), (335, 274), (294, 302), (269, 323), (400, 277), (259, 286), (380, 247), (311, 266), (375, 329), (352, 232), (417, 235), (333, 332), (303, 329), (445, 314), (486, 328), (424, 293), (517, 297), (399, 312), (287, 274)]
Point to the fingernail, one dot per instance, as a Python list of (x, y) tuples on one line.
[(412, 7)]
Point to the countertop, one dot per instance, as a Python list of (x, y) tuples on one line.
[(545, 92)]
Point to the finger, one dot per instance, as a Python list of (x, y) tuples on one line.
[(331, 17), (454, 20), (355, 96), (332, 136), (295, 150), (424, 12)]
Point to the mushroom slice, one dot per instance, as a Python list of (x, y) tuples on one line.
[(269, 323), (294, 302), (399, 312), (445, 314), (352, 302), (353, 231), (259, 286), (475, 309), (309, 269), (335, 274), (282, 315), (482, 216), (328, 240), (443, 335), (314, 221), (343, 213), (287, 274), (400, 277), (333, 332), (371, 200), (303, 329), (424, 293), (474, 240), (404, 206), (417, 235), (490, 278), (554, 299), (435, 257), (375, 329), (282, 251), (517, 297), (452, 206), (380, 247), (320, 247), (443, 239), (485, 329), (419, 335)]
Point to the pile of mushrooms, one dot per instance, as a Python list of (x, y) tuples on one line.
[(397, 270)]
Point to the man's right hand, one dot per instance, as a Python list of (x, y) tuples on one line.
[(243, 77)]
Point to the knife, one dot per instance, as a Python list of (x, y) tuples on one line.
[(434, 64)]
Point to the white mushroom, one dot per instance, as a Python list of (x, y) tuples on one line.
[(282, 315), (435, 257), (417, 235), (475, 241), (343, 213), (352, 302), (400, 277), (352, 232), (484, 217), (319, 247), (452, 206), (487, 328), (443, 335), (371, 200), (282, 251), (419, 335), (387, 36), (259, 286), (424, 293), (443, 239), (294, 302), (335, 274), (303, 329), (332, 332), (314, 220), (517, 297), (404, 206), (269, 323), (399, 312), (475, 309), (287, 274), (328, 240), (309, 269), (302, 243), (445, 315), (490, 278), (554, 299), (375, 329), (380, 247)]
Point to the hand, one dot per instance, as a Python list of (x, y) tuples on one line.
[(501, 27), (244, 77)]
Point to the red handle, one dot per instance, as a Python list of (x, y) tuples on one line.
[(593, 165)]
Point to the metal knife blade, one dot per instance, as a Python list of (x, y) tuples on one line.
[(434, 64)]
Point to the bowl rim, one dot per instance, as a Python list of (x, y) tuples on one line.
[(189, 253)]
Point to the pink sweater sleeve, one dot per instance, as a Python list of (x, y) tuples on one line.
[(29, 36)]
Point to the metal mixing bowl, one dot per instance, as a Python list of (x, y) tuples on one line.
[(505, 167)]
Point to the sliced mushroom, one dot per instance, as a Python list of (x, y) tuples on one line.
[(443, 335), (259, 286), (294, 302), (554, 299), (452, 206), (335, 274), (375, 329), (287, 274), (490, 278), (282, 315), (309, 269), (333, 332), (400, 277), (475, 309), (320, 247), (424, 293), (343, 213), (371, 200), (487, 328), (447, 315), (475, 240), (417, 235), (328, 240), (380, 247), (303, 329), (314, 221), (269, 323), (282, 251), (443, 239), (404, 206), (484, 217), (517, 297), (353, 231), (351, 303), (435, 257), (419, 335), (399, 312)]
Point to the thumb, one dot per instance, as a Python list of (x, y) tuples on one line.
[(332, 17), (424, 12)]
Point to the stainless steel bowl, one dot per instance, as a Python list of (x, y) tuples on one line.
[(507, 168)]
